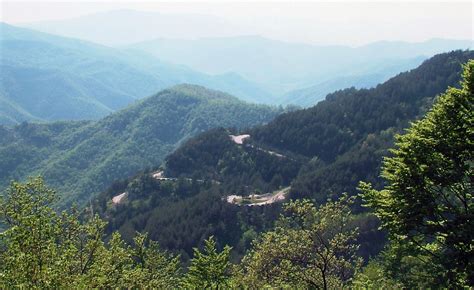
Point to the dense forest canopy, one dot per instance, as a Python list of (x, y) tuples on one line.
[(210, 167), (42, 248), (174, 226), (82, 158)]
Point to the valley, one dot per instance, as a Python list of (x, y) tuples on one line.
[(246, 145), (77, 156), (292, 157), (48, 78)]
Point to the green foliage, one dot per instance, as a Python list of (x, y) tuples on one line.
[(214, 156), (209, 268), (373, 276), (400, 265), (29, 246), (85, 157), (350, 131), (47, 78), (178, 214), (309, 247), (157, 269), (427, 204), (318, 164), (43, 249)]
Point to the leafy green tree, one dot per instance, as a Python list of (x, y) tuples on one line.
[(398, 264), (114, 265), (209, 268), (28, 249), (81, 245), (309, 247), (428, 202), (154, 268), (41, 248), (373, 276)]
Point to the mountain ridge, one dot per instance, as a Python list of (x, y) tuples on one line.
[(47, 74), (319, 152), (281, 67), (81, 157)]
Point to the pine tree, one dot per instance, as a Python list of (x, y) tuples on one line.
[(209, 268)]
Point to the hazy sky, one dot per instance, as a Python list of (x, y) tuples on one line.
[(340, 22)]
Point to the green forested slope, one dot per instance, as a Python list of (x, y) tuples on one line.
[(82, 158), (426, 206), (325, 151), (309, 96), (57, 78), (347, 134)]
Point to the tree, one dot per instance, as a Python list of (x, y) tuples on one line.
[(28, 249), (41, 248), (154, 267), (309, 247), (427, 204), (373, 276), (210, 268)]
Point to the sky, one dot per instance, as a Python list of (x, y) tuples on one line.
[(338, 22)]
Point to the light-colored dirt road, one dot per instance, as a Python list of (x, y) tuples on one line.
[(259, 199), (278, 196), (239, 139), (118, 198)]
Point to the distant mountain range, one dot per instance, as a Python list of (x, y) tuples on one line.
[(311, 95), (82, 158), (46, 77), (280, 72), (281, 67), (121, 27)]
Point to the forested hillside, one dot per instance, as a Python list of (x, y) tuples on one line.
[(425, 205), (347, 135), (319, 153), (236, 145), (46, 77), (317, 92), (82, 158)]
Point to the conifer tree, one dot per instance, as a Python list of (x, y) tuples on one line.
[(209, 268)]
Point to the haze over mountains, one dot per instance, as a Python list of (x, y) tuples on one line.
[(129, 140), (134, 26), (282, 66), (47, 77), (277, 72)]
